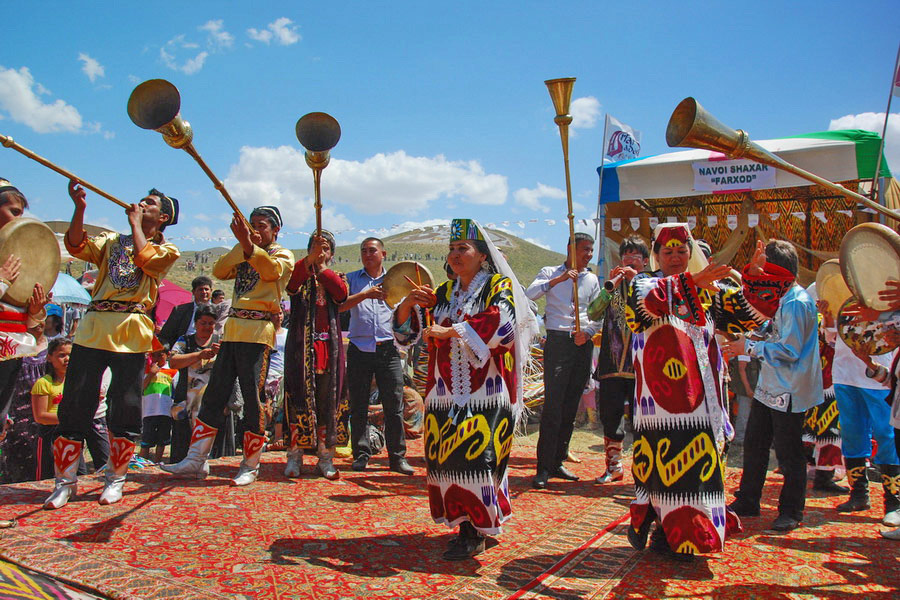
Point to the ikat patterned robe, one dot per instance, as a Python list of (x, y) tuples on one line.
[(470, 406), (822, 431), (680, 422)]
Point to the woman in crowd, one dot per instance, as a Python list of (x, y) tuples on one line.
[(480, 337), (680, 420)]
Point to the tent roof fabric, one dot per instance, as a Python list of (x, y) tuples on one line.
[(835, 155)]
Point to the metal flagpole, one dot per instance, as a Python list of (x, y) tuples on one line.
[(601, 211), (887, 115)]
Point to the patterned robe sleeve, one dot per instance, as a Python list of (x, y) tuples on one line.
[(493, 330), (155, 260), (651, 298)]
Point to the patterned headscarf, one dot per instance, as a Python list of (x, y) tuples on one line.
[(676, 234), (465, 229)]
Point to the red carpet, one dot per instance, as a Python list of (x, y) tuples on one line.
[(370, 535)]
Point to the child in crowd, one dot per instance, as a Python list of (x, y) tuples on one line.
[(45, 396), (156, 405)]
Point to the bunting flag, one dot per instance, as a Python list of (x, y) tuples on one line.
[(732, 222), (711, 220), (654, 221), (550, 221), (820, 215), (635, 223), (799, 215), (846, 213), (692, 221), (616, 224), (671, 219), (752, 220), (774, 216)]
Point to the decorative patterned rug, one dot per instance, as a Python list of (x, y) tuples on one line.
[(369, 535)]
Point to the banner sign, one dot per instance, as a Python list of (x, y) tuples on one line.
[(732, 175)]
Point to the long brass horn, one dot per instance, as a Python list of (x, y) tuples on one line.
[(561, 95), (9, 143), (691, 126), (318, 133), (156, 104)]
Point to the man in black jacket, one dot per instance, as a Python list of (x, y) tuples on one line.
[(181, 321)]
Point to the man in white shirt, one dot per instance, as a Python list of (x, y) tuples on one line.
[(567, 355)]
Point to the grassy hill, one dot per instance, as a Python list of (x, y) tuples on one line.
[(428, 246)]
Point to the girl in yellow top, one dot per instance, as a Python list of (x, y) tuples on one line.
[(45, 397)]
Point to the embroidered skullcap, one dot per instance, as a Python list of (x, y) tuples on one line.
[(329, 237), (167, 205), (6, 186), (465, 229), (270, 212), (675, 234)]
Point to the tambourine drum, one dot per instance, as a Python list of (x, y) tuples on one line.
[(396, 287), (870, 257), (865, 336), (831, 287), (35, 244)]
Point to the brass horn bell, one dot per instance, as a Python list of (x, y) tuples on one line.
[(691, 126), (155, 104), (318, 133)]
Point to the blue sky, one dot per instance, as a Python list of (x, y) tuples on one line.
[(443, 109)]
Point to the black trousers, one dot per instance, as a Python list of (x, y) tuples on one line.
[(249, 364), (9, 374), (764, 426), (387, 368), (613, 395), (566, 369), (81, 394)]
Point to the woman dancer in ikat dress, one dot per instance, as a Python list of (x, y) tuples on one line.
[(680, 421), (480, 338)]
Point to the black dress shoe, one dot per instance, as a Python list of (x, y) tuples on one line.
[(638, 538), (564, 473), (402, 467), (785, 523), (360, 463), (462, 548), (540, 480), (743, 509)]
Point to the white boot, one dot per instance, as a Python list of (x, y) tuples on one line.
[(194, 464), (66, 456), (120, 452), (249, 469), (326, 462), (294, 454)]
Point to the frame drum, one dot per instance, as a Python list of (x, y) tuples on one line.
[(870, 257), (865, 336), (831, 287), (395, 285), (36, 245)]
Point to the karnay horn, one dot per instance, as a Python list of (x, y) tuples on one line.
[(156, 104), (561, 95), (691, 126), (318, 133), (9, 143)]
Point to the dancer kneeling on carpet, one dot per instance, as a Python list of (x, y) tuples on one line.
[(481, 337), (260, 269), (316, 405), (680, 423), (115, 333)]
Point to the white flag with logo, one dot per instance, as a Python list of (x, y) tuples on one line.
[(635, 222), (621, 142), (711, 220), (732, 221), (692, 221), (654, 221)]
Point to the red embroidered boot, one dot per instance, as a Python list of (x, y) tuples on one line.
[(66, 455), (614, 470), (195, 464), (120, 452), (249, 469)]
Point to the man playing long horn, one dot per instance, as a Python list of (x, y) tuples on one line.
[(115, 333), (261, 269)]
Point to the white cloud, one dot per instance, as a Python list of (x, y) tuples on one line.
[(384, 183), (168, 54), (218, 37), (20, 98), (531, 198), (281, 30), (538, 242), (91, 67), (585, 112), (875, 122)]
